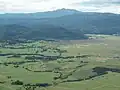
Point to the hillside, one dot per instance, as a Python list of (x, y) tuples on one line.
[(37, 15), (44, 31), (58, 24), (87, 22)]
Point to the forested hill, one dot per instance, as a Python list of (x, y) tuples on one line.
[(95, 23), (44, 31), (58, 24)]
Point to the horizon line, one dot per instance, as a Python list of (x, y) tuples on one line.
[(57, 10)]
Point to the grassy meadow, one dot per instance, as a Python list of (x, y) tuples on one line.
[(92, 64)]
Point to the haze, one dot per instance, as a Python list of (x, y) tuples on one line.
[(31, 6)]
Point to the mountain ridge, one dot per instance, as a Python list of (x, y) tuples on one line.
[(76, 23), (44, 31)]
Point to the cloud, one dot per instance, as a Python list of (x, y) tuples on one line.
[(100, 2), (111, 6), (31, 5), (7, 6)]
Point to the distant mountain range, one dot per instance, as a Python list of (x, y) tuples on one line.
[(58, 24), (38, 15)]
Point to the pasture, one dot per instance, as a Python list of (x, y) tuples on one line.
[(92, 64)]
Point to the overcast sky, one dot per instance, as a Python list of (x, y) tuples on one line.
[(26, 6)]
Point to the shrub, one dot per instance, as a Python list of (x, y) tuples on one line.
[(17, 82)]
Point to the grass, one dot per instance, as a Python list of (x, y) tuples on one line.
[(108, 82), (104, 51)]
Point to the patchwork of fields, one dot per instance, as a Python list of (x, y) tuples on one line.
[(92, 64)]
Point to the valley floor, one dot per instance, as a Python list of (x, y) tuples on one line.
[(92, 64)]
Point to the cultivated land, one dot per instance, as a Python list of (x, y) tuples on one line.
[(92, 64)]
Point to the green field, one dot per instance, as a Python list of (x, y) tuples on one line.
[(92, 64)]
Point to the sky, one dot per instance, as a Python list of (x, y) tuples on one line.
[(30, 6)]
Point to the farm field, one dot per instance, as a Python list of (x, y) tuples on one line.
[(92, 64)]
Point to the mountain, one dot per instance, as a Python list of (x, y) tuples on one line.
[(44, 31), (58, 24), (37, 15), (95, 23)]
